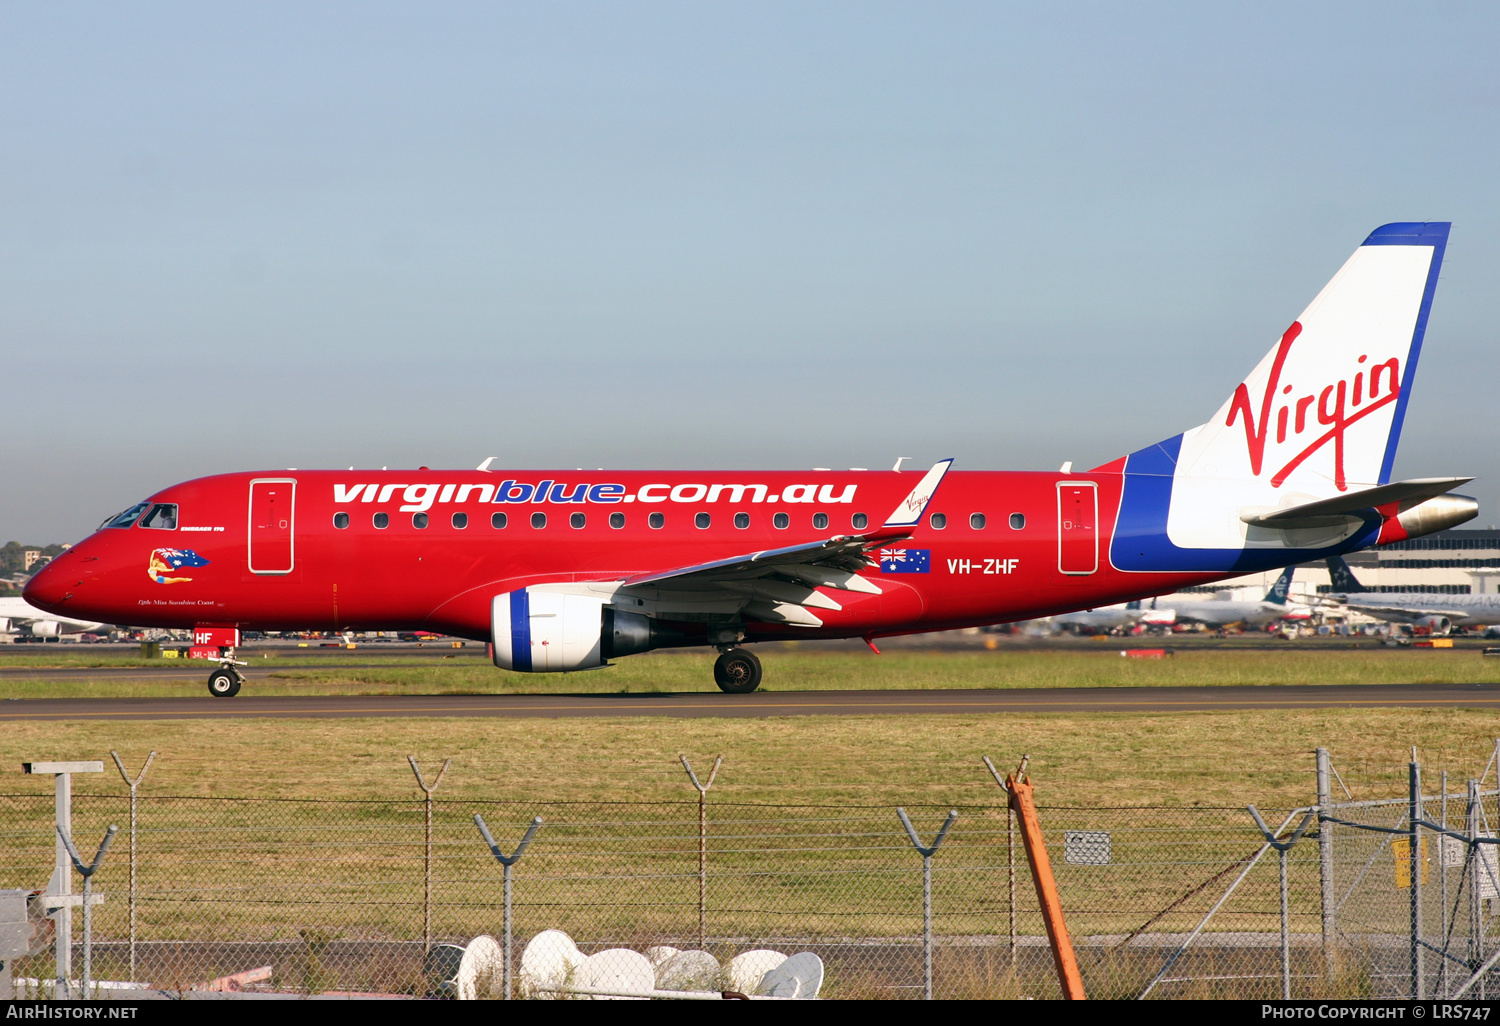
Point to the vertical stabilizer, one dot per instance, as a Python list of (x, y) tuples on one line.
[(1319, 416), (1282, 587), (1343, 579)]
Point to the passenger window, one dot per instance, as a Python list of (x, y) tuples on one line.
[(381, 521), (577, 520), (538, 520), (617, 520), (125, 519), (700, 520), (341, 520), (742, 520), (860, 521), (656, 520), (938, 521), (497, 521), (460, 521), (820, 521), (781, 521), (976, 521), (1017, 521), (419, 521), (163, 517)]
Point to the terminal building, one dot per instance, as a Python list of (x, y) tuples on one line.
[(1457, 562)]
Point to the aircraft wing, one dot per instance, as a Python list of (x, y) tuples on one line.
[(1394, 612), (780, 585)]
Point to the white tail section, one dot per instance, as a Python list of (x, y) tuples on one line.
[(1320, 415)]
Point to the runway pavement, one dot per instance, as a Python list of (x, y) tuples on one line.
[(768, 703)]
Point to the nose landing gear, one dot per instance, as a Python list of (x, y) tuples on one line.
[(737, 671), (226, 680)]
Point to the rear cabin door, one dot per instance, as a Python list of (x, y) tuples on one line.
[(272, 512), (1077, 527)]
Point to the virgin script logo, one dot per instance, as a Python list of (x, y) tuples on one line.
[(1337, 406)]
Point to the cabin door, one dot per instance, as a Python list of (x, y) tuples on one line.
[(272, 518), (1077, 527)]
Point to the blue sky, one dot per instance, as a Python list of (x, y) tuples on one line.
[(700, 234)]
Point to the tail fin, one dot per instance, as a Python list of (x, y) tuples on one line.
[(1282, 587), (1320, 415), (1344, 581)]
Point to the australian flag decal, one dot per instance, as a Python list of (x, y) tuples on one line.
[(905, 561)]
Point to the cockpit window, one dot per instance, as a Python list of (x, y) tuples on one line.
[(125, 519), (163, 517)]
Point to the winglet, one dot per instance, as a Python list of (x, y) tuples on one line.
[(910, 511)]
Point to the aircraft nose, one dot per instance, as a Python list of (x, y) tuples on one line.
[(47, 589)]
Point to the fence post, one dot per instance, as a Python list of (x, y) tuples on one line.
[(1475, 866), (506, 862), (427, 848), (1443, 843), (1282, 847), (1327, 899), (927, 853), (1010, 850), (88, 897), (1414, 835), (133, 784), (702, 843)]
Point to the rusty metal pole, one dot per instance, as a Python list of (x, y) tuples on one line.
[(702, 843), (427, 848), (133, 784), (1046, 888)]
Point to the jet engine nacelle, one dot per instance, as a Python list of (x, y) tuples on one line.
[(46, 629), (1438, 514), (4, 625), (1439, 625), (540, 631)]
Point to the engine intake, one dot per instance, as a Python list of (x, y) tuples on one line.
[(538, 631)]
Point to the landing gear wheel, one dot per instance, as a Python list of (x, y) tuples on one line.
[(224, 683), (737, 672)]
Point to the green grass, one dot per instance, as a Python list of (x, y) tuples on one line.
[(789, 668), (1210, 758)]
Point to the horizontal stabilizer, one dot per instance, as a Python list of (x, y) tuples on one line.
[(1320, 513)]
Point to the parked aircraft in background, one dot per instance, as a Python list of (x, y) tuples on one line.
[(1439, 613), (1223, 612), (565, 571), (1110, 618), (17, 616)]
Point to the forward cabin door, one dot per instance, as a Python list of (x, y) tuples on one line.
[(1077, 527), (272, 517)]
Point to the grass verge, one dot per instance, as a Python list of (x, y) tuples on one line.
[(808, 670)]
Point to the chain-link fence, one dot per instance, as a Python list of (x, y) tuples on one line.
[(332, 895)]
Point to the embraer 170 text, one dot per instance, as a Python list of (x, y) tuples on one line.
[(561, 571)]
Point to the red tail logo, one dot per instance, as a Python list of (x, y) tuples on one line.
[(1337, 406)]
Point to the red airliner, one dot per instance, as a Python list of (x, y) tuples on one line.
[(567, 570)]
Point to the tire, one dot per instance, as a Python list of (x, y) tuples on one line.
[(223, 683), (737, 672)]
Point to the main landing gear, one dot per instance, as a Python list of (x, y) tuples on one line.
[(737, 671), (226, 680)]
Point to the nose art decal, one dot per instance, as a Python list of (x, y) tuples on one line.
[(165, 561)]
